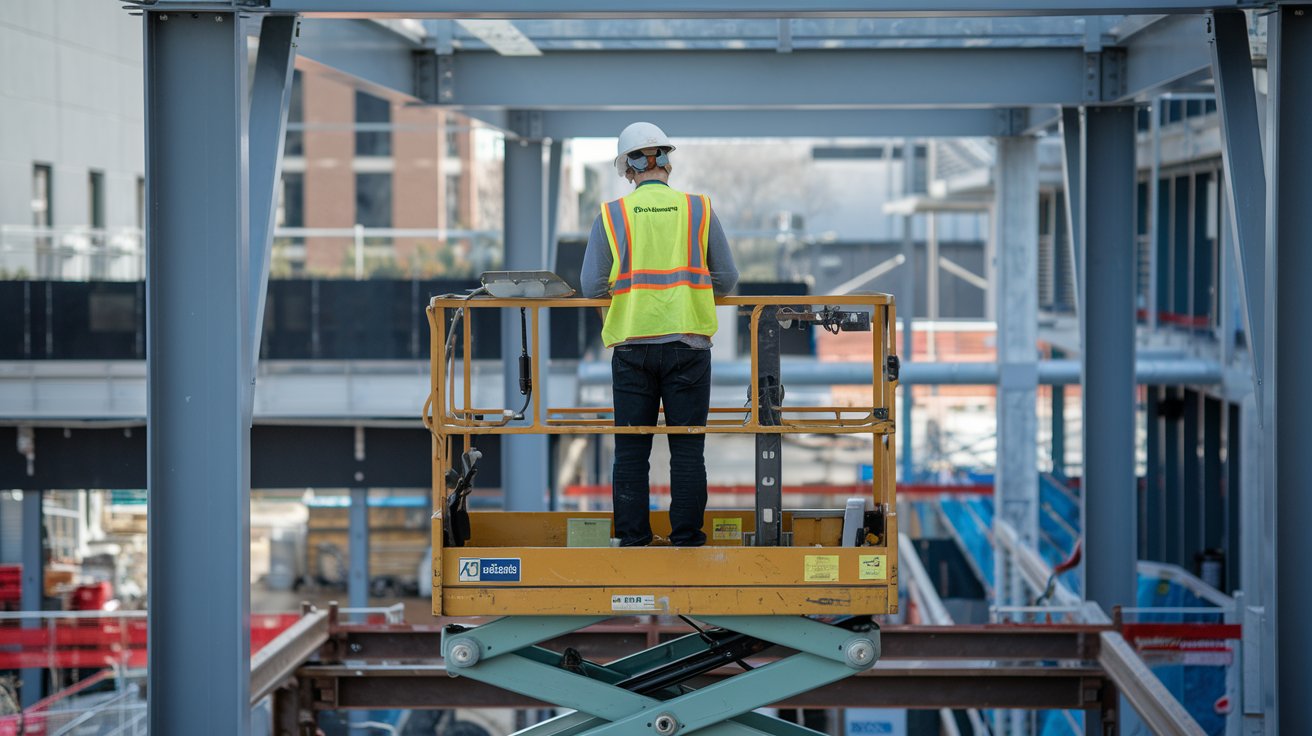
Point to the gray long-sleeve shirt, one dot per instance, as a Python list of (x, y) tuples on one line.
[(597, 263)]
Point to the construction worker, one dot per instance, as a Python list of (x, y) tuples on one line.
[(662, 257)]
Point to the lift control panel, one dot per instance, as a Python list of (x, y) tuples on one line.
[(767, 559)]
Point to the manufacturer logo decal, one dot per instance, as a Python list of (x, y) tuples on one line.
[(489, 570)]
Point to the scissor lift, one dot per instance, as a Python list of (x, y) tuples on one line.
[(762, 573)]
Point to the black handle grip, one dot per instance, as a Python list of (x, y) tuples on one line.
[(525, 374)]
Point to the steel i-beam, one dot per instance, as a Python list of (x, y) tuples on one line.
[(198, 358)]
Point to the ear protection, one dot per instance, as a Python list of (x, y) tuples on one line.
[(640, 162)]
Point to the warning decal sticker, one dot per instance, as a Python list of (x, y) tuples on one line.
[(820, 569)]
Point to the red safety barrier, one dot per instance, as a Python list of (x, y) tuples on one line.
[(265, 627), (1186, 631), (1198, 644), (814, 489), (1191, 321), (102, 642), (11, 584)]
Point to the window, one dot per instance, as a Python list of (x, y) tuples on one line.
[(453, 201), (292, 210), (96, 199), (452, 142), (373, 200), (110, 311), (373, 133), (141, 203), (294, 145), (43, 211)]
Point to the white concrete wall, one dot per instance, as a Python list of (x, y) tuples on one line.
[(70, 96)]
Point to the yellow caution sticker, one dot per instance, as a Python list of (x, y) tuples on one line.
[(820, 568), (872, 567), (727, 529)]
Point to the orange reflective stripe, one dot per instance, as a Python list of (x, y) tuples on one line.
[(696, 229), (657, 287), (696, 279), (628, 236), (704, 237), (673, 270), (619, 238)]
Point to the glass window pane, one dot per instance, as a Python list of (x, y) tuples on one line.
[(141, 202), (453, 201), (295, 142), (96, 199), (373, 200), (292, 211), (373, 135), (43, 214)]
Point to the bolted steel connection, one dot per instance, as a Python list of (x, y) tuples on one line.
[(463, 652), (665, 724), (860, 652)]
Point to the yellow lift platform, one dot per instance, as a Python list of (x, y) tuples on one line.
[(762, 571)]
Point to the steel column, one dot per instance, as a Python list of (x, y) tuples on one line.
[(1191, 486), (32, 592), (906, 308), (1257, 574), (358, 549), (1016, 227), (1212, 501), (1155, 265), (1244, 171), (198, 358), (271, 92), (1107, 359), (1171, 410), (1231, 483), (1059, 431), (525, 479), (1151, 519), (1073, 176), (1289, 351), (555, 155)]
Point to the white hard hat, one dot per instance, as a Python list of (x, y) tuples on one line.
[(637, 137)]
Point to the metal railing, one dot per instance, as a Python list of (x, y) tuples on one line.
[(71, 253), (383, 252), (110, 702), (80, 253)]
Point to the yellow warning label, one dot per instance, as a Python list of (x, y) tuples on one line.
[(872, 567), (820, 568), (727, 529)]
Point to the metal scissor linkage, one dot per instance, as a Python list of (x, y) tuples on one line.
[(648, 692)]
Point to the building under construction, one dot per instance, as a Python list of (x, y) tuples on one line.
[(311, 425)]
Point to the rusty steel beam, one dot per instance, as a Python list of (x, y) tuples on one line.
[(906, 684), (273, 665), (609, 641), (984, 666)]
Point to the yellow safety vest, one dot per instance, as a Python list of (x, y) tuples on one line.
[(658, 276)]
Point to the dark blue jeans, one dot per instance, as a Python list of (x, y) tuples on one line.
[(644, 377)]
